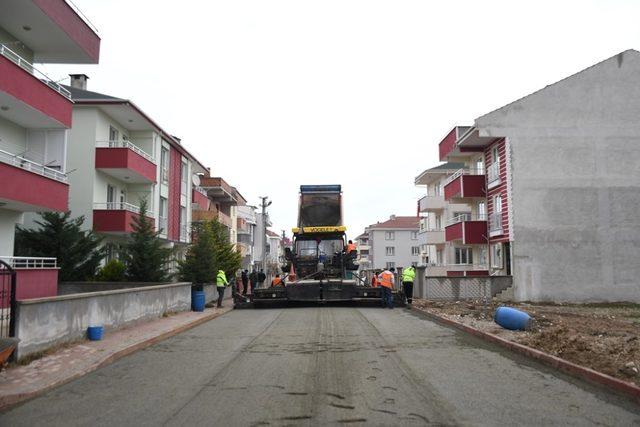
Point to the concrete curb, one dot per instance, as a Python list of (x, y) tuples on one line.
[(8, 401), (570, 368)]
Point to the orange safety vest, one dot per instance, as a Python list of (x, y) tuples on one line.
[(386, 279), (276, 281), (351, 247)]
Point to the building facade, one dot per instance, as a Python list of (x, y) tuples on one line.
[(247, 223), (120, 157), (36, 111), (394, 243), (553, 184)]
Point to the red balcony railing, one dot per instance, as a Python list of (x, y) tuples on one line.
[(125, 160), (115, 217), (465, 183), (467, 229)]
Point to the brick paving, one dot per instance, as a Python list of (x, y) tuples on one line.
[(23, 382)]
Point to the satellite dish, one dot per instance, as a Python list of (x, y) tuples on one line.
[(195, 179)]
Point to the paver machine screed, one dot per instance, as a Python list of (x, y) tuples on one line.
[(323, 271)]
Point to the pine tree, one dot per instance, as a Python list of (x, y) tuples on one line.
[(226, 257), (199, 265), (78, 252), (144, 256)]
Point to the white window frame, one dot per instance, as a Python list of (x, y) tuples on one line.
[(390, 250), (497, 259), (415, 250), (391, 264), (164, 164), (463, 255), (439, 257), (414, 235), (114, 134), (495, 155), (389, 235)]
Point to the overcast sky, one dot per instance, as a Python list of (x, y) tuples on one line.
[(274, 94)]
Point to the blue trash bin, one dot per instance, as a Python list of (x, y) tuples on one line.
[(94, 333), (513, 319), (197, 300)]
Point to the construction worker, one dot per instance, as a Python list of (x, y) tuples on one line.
[(386, 279), (351, 247), (221, 282), (408, 275), (277, 281)]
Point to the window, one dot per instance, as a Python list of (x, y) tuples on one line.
[(183, 178), (480, 167), (495, 155), (464, 256), (496, 255), (414, 235), (164, 209), (164, 163), (391, 265), (114, 135), (437, 190), (482, 210), (438, 222), (439, 257), (111, 251), (390, 250), (482, 256), (389, 235), (415, 250), (497, 203), (111, 194), (183, 223)]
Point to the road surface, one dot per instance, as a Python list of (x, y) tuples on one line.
[(324, 365)]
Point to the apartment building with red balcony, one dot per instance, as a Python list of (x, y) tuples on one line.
[(562, 185), (451, 238), (35, 115), (120, 157)]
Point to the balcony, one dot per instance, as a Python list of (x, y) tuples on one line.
[(431, 203), (495, 224), (199, 215), (434, 237), (115, 217), (29, 97), (31, 187), (465, 184), (199, 197), (219, 190), (449, 144), (125, 161), (465, 270), (467, 229)]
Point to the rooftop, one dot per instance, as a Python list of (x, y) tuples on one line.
[(398, 222)]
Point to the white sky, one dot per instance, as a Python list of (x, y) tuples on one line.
[(274, 94)]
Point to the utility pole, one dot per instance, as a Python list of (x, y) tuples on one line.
[(264, 204)]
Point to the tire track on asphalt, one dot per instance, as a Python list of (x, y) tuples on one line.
[(223, 370), (444, 411)]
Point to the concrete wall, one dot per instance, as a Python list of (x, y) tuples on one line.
[(46, 322), (459, 288), (574, 149), (69, 288)]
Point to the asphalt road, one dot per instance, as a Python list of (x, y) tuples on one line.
[(324, 365)]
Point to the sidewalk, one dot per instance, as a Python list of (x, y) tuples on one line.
[(24, 382)]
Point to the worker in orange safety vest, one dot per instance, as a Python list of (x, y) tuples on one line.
[(386, 279), (351, 247), (277, 281)]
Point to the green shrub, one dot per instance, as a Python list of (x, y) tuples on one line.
[(113, 271)]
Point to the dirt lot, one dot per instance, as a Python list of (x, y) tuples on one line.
[(604, 337)]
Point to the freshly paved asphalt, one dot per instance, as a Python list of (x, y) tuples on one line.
[(324, 365)]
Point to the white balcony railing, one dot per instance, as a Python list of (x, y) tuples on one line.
[(28, 67), (493, 174), (30, 262), (495, 222), (431, 202), (30, 166), (183, 232), (117, 206), (126, 144), (200, 190), (466, 217), (460, 172)]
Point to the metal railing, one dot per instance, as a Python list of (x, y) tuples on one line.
[(493, 173), (30, 166), (117, 206), (466, 217), (495, 221), (126, 144), (200, 190), (28, 67), (30, 262), (460, 172)]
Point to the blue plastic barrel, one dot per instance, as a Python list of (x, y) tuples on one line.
[(513, 319), (197, 300), (94, 333)]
